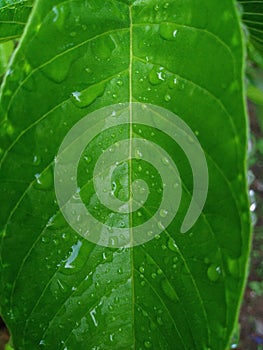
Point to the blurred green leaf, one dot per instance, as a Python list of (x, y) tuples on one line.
[(253, 19), (257, 287), (6, 50), (255, 94)]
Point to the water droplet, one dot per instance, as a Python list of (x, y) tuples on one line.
[(233, 267), (73, 255), (36, 160), (163, 213), (147, 344), (58, 70), (159, 272), (141, 269), (86, 97), (44, 181), (172, 245), (93, 317), (157, 75), (213, 272), (161, 226), (42, 342), (167, 98), (103, 47), (168, 31)]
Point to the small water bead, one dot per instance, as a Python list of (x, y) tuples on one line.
[(147, 344), (44, 181), (213, 272), (161, 226), (163, 213), (141, 269), (36, 160), (167, 98), (159, 272), (233, 267), (172, 245)]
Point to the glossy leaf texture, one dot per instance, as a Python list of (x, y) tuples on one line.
[(252, 17), (179, 290), (13, 17)]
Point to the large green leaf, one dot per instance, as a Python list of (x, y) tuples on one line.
[(253, 19), (13, 17), (178, 290)]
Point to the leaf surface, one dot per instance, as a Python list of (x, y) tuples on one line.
[(178, 290), (13, 17)]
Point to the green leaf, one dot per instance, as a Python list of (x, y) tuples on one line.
[(253, 19), (8, 347), (6, 50), (179, 290), (255, 94), (13, 17)]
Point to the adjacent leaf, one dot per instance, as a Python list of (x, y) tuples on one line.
[(179, 290), (13, 17), (253, 19), (6, 50)]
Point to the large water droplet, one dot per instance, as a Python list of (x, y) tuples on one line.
[(168, 31), (73, 255), (157, 75), (59, 16), (58, 69), (86, 97), (103, 47)]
